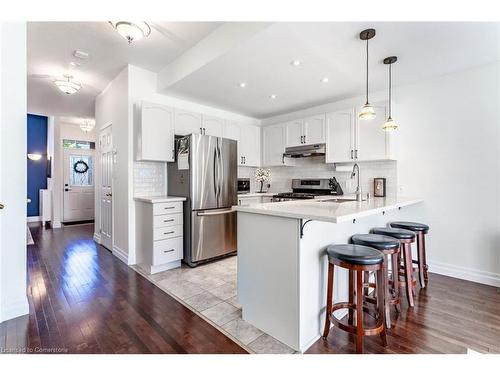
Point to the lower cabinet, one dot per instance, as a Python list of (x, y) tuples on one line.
[(159, 235)]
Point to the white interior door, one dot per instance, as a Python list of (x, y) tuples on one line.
[(78, 174), (106, 187)]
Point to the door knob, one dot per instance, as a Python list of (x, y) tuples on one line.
[(1, 206)]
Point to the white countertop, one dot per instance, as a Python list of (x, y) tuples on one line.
[(321, 210), (159, 199), (253, 195)]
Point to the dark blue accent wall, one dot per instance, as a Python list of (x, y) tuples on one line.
[(37, 170)]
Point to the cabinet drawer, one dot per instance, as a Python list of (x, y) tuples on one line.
[(167, 208), (167, 232), (160, 221), (166, 251)]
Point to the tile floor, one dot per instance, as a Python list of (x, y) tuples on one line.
[(210, 290)]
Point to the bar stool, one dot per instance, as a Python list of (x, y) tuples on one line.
[(406, 238), (420, 230), (389, 246), (358, 259)]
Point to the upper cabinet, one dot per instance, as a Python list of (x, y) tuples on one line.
[(273, 146), (306, 131), (187, 122), (155, 133), (212, 125), (350, 139), (248, 138)]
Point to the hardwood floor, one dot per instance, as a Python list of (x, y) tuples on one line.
[(84, 300), (450, 316)]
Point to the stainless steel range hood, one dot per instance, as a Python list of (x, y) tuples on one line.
[(305, 151)]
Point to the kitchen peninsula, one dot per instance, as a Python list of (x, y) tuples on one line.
[(282, 266)]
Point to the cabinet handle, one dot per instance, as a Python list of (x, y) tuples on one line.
[(352, 154), (204, 131), (171, 232), (173, 154), (244, 159), (356, 154), (1, 206), (169, 220), (201, 130), (168, 251), (304, 139), (168, 208)]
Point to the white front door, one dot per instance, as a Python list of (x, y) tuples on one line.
[(78, 201), (106, 187)]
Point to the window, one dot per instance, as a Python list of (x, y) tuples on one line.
[(83, 145), (81, 170)]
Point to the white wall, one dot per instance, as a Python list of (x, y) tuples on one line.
[(448, 145), (62, 130), (13, 301)]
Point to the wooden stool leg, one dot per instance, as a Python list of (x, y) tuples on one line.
[(329, 300), (382, 301), (424, 257), (421, 262), (395, 278), (350, 313), (408, 267), (359, 311), (384, 284)]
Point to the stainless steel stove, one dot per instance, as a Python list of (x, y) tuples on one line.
[(310, 189)]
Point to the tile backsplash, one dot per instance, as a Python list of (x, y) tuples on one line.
[(315, 167), (149, 178)]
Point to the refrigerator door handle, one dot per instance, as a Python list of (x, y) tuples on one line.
[(215, 176), (220, 173), (214, 212)]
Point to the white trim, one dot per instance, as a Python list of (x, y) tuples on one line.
[(97, 238), (465, 273), (33, 219), (120, 254), (56, 224), (14, 309)]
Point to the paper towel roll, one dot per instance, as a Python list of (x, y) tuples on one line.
[(343, 168)]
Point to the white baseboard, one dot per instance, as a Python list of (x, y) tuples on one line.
[(56, 224), (120, 254), (33, 219), (14, 309), (97, 238), (465, 273)]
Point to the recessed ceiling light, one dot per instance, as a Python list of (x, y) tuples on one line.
[(243, 85), (273, 96), (324, 80), (81, 54), (295, 62)]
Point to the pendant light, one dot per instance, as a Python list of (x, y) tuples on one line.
[(131, 31), (67, 85), (87, 126), (367, 112), (390, 125)]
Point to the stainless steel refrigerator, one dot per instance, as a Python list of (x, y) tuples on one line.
[(205, 172)]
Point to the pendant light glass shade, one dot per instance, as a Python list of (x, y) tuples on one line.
[(67, 85), (367, 112), (87, 126), (131, 31), (390, 125)]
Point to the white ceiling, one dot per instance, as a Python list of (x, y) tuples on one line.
[(333, 50), (51, 44)]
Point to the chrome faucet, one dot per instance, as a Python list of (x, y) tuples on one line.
[(355, 172)]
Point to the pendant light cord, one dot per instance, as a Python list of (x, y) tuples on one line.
[(390, 90), (367, 71)]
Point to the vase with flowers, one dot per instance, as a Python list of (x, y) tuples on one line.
[(262, 175)]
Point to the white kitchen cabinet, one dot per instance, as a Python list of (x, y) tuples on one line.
[(349, 139), (294, 131), (187, 122), (248, 138), (155, 133), (310, 130), (212, 125), (340, 136), (159, 234), (273, 146)]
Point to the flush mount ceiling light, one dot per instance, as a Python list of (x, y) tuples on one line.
[(273, 96), (34, 157), (390, 124), (87, 126), (295, 62), (131, 31), (324, 80), (68, 85), (367, 112), (242, 85)]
